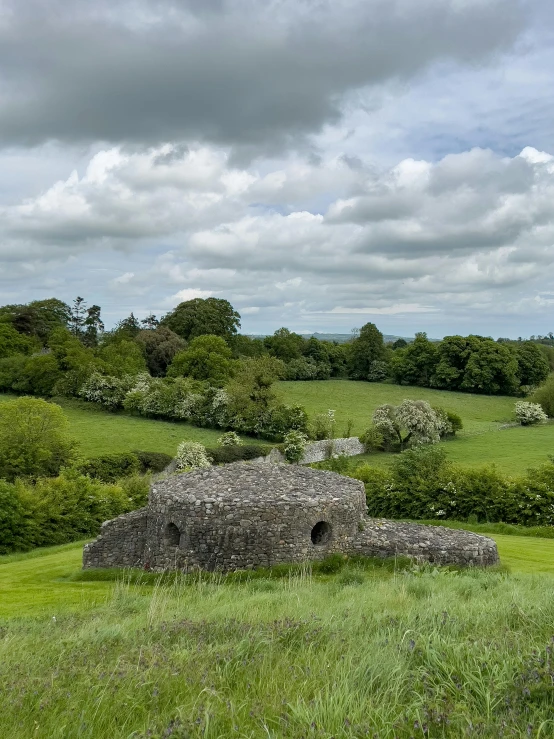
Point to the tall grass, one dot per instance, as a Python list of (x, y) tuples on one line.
[(375, 652)]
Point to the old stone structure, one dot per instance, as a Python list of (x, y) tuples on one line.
[(242, 516)]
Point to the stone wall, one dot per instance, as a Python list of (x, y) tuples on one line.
[(317, 451), (121, 542), (436, 544)]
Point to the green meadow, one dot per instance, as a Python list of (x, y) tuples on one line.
[(355, 650), (100, 432), (483, 440)]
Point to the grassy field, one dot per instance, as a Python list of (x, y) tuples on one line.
[(363, 652), (481, 442), (358, 400), (101, 432)]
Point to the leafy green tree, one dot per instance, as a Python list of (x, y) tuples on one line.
[(285, 345), (203, 316), (93, 326), (78, 315), (251, 390), (159, 346), (12, 342), (453, 354), (76, 361), (338, 358), (128, 328), (38, 375), (246, 346), (124, 357), (12, 518), (34, 439), (37, 318), (399, 344), (367, 348), (416, 363), (544, 396), (150, 322), (533, 366), (412, 422), (492, 369), (206, 358)]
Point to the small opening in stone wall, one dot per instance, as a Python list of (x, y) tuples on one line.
[(321, 533), (173, 535)]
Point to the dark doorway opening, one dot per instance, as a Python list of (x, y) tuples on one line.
[(321, 533), (173, 535)]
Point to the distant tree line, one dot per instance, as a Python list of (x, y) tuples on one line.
[(193, 364)]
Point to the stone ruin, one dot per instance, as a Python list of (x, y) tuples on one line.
[(241, 516)]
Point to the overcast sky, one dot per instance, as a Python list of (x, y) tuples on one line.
[(319, 163)]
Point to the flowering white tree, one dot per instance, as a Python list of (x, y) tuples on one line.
[(528, 414), (294, 446), (412, 422), (191, 455)]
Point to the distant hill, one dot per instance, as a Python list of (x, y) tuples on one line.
[(339, 338)]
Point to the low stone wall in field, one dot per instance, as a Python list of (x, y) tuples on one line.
[(318, 451)]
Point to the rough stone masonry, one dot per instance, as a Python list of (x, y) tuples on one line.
[(242, 516)]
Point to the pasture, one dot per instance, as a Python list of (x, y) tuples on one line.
[(360, 651), (482, 441), (101, 432)]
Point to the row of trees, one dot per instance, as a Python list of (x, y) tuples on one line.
[(48, 347)]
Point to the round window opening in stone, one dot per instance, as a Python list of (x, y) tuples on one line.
[(321, 533), (172, 535)]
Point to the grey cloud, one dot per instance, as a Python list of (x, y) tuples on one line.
[(243, 72)]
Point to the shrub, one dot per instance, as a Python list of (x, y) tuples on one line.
[(373, 439), (231, 438), (226, 454), (11, 518), (422, 484), (110, 467), (62, 509), (294, 445), (378, 371), (107, 391), (33, 439), (191, 455), (322, 426), (450, 422), (153, 461), (529, 414)]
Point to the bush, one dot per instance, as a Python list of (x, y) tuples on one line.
[(107, 391), (422, 484), (191, 455), (373, 439), (231, 438), (62, 509), (529, 414), (378, 371), (153, 461), (227, 454), (110, 467), (11, 519), (33, 439), (294, 445), (322, 426), (450, 422)]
